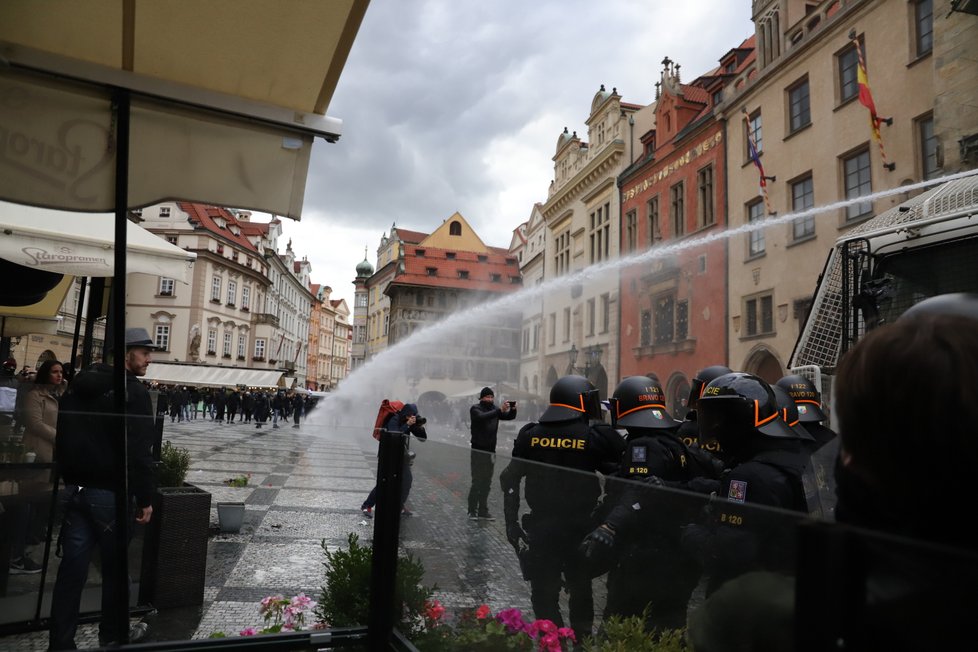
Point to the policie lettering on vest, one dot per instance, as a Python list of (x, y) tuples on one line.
[(557, 442)]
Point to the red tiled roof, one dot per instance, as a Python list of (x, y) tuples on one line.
[(410, 237), (204, 215), (695, 94), (335, 302), (447, 274), (314, 288)]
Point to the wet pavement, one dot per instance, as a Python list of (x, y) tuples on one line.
[(306, 486)]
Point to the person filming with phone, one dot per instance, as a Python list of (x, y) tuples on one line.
[(485, 417)]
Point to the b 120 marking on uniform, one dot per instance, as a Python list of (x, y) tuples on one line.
[(557, 442)]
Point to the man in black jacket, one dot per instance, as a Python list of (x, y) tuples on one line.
[(485, 418), (86, 451)]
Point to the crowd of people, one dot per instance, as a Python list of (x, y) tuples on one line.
[(225, 405)]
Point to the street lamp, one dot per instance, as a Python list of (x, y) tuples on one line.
[(573, 358), (592, 359)]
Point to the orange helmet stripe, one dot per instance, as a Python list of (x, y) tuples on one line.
[(640, 407), (757, 415)]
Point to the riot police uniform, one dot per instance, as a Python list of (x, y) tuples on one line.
[(689, 430), (765, 467), (558, 457), (641, 524)]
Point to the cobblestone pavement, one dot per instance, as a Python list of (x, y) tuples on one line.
[(306, 486)]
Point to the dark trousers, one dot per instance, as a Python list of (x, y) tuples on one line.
[(89, 522), (554, 563), (407, 479), (481, 464)]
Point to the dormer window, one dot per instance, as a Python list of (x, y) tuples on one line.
[(463, 273), (450, 255), (220, 249), (420, 252), (172, 239), (455, 228), (515, 280), (483, 258), (432, 271), (495, 278), (220, 222), (164, 211)]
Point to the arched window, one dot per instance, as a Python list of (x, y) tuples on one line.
[(455, 228)]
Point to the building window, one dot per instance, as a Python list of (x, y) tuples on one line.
[(645, 328), (163, 336), (605, 313), (227, 344), (755, 242), (232, 292), (562, 253), (463, 273), (212, 342), (717, 97), (567, 324), (216, 289), (166, 287), (928, 147), (242, 345), (759, 315), (450, 255), (848, 62), (665, 317), (536, 337), (172, 239), (552, 329), (858, 183), (361, 300), (652, 213), (631, 229), (164, 211), (677, 210), (495, 278), (799, 109), (590, 316), (923, 20), (754, 131), (260, 348), (455, 228), (600, 233), (803, 198), (682, 320), (704, 189)]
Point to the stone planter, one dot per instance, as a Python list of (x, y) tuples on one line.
[(230, 516), (175, 551)]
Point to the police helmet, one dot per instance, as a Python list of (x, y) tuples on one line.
[(10, 364), (735, 406), (962, 304), (639, 402), (806, 396), (567, 399), (789, 412), (701, 380)]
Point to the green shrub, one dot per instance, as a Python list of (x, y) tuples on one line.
[(629, 635), (345, 598), (174, 464)]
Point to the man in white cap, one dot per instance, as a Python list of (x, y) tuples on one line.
[(87, 452)]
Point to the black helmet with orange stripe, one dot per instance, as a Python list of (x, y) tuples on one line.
[(789, 412), (806, 396), (569, 399), (639, 402), (703, 378), (736, 406)]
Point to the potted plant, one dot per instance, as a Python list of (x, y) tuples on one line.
[(230, 515), (175, 548)]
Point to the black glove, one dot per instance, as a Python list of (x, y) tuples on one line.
[(598, 543), (515, 534)]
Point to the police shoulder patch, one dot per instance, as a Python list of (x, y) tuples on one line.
[(737, 491), (640, 454)]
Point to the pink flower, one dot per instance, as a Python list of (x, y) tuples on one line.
[(512, 619), (568, 633), (550, 642), (303, 602), (482, 612), (545, 626), (250, 631), (433, 610)]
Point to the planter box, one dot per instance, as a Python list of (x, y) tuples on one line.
[(175, 552), (230, 516)]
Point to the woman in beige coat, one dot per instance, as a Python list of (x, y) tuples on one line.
[(41, 411)]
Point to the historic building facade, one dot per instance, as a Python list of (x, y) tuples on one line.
[(529, 246), (673, 307), (378, 303), (814, 140)]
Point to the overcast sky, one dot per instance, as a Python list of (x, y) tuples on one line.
[(457, 105)]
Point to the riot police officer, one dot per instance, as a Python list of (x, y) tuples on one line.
[(823, 446), (559, 457), (765, 467), (689, 430), (641, 526)]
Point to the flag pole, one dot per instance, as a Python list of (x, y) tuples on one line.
[(755, 156)]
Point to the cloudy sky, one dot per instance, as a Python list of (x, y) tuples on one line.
[(457, 105)]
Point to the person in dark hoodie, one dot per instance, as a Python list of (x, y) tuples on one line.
[(484, 417), (86, 451), (406, 422)]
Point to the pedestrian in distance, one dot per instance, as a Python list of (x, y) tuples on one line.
[(484, 418), (297, 404), (406, 421)]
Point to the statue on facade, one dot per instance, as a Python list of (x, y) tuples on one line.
[(195, 346)]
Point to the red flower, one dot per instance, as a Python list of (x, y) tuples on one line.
[(482, 612), (433, 610)]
